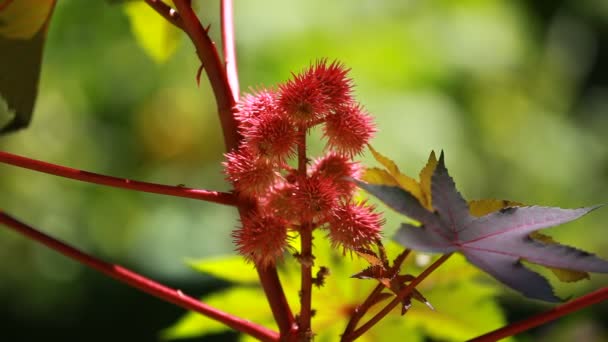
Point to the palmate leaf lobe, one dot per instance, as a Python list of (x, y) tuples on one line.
[(496, 242)]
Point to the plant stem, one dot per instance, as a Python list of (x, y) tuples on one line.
[(140, 282), (367, 303), (90, 177), (402, 294), (540, 319), (306, 256), (209, 57), (224, 82), (229, 50), (269, 279)]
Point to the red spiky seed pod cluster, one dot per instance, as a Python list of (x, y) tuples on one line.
[(274, 124), (262, 239)]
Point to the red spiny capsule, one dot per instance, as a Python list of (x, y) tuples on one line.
[(248, 173), (315, 197), (338, 168), (335, 83), (281, 203), (302, 99), (349, 129), (272, 137), (354, 226), (252, 106), (262, 239)]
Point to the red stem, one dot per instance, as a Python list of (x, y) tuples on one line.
[(540, 319), (209, 57), (140, 282), (404, 293), (225, 100), (228, 47), (306, 255), (90, 177)]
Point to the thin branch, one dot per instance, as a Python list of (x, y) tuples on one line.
[(140, 282), (306, 256), (402, 294), (90, 177), (540, 319), (269, 279), (167, 12), (209, 57), (367, 303), (229, 50)]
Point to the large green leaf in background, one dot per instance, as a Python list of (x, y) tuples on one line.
[(22, 33), (453, 290), (23, 28)]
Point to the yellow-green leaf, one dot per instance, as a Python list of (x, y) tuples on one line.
[(483, 207), (154, 33), (230, 268), (425, 180), (567, 276), (378, 176), (246, 302), (22, 19), (405, 182)]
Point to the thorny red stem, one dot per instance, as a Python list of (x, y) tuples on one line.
[(90, 177), (209, 57), (224, 92), (140, 282), (547, 316), (305, 330), (402, 294)]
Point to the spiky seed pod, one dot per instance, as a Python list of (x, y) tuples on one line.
[(271, 136), (315, 197), (262, 239), (335, 83), (253, 105), (338, 168), (249, 174), (349, 129), (354, 226), (316, 92), (280, 202), (302, 99)]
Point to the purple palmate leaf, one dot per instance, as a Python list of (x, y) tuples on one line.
[(496, 242)]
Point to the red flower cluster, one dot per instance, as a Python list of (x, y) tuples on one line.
[(274, 124)]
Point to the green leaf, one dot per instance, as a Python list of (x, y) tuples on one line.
[(230, 268), (22, 35), (155, 34), (246, 302)]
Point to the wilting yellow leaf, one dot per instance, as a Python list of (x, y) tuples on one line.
[(567, 276), (405, 182), (425, 180), (378, 176), (483, 207), (22, 19)]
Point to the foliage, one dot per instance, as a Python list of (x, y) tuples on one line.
[(456, 287), (495, 242), (261, 138)]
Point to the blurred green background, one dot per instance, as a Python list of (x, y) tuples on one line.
[(514, 92)]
